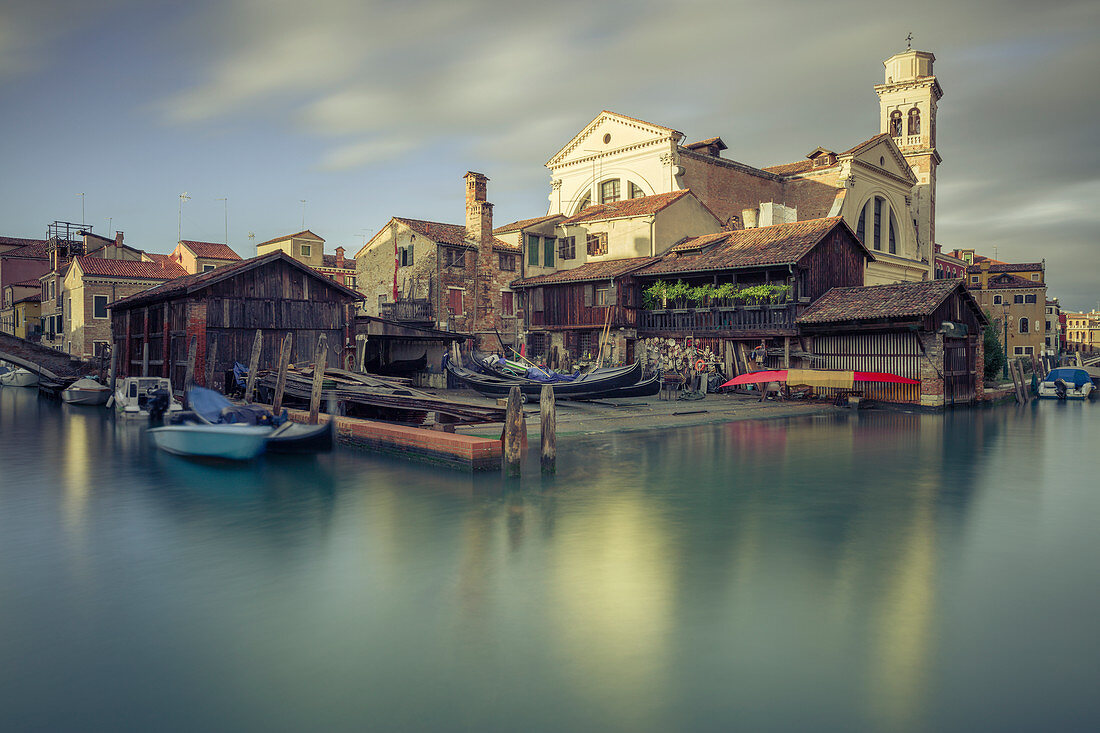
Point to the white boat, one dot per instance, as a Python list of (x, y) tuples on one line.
[(86, 391), (234, 442), (19, 377), (1066, 383), (133, 396)]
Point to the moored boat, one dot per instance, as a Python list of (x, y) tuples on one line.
[(1066, 383), (19, 377), (231, 442), (293, 437), (86, 391), (134, 396)]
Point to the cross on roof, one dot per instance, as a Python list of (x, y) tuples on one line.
[(909, 42)]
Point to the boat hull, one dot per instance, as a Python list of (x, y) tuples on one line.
[(292, 437), (590, 385), (231, 442), (86, 396), (19, 378)]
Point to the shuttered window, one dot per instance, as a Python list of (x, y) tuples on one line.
[(549, 244), (454, 301), (533, 250)]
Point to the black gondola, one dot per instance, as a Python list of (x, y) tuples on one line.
[(644, 388)]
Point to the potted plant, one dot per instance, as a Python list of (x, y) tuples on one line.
[(678, 294)]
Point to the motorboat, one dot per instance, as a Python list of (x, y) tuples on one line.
[(19, 377), (293, 437), (86, 391), (211, 408), (1066, 383), (140, 396), (232, 442)]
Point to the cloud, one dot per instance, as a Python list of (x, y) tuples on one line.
[(365, 153), (29, 30)]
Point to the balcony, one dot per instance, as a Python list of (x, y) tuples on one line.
[(412, 311), (720, 320)]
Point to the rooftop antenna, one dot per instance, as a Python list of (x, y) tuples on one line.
[(225, 200), (81, 208), (110, 220), (303, 203), (179, 226), (251, 240)]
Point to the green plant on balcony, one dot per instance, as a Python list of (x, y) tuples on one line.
[(679, 293), (655, 296), (780, 293), (701, 295), (726, 293)]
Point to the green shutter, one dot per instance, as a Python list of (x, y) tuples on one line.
[(532, 249), (548, 248)]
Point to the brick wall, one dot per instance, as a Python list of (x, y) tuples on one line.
[(931, 369)]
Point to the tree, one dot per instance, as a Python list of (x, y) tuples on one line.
[(994, 353)]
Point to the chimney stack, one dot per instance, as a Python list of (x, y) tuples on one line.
[(479, 212), (118, 238), (339, 256)]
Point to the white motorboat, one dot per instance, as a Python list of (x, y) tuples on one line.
[(232, 441), (1066, 383), (19, 377), (86, 391), (135, 395)]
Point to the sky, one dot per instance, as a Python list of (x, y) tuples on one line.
[(366, 110)]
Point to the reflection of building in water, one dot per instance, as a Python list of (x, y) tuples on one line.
[(76, 470)]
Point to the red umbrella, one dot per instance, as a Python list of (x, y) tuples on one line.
[(758, 378)]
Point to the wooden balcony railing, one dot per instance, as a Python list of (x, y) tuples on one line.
[(408, 310), (736, 318)]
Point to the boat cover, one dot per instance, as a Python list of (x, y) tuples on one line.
[(1071, 375), (214, 407)]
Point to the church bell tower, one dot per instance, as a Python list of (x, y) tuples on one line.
[(907, 109)]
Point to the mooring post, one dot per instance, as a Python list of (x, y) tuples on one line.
[(211, 362), (254, 364), (145, 359), (319, 362), (284, 363), (360, 354), (111, 374), (513, 428), (189, 375), (549, 430)]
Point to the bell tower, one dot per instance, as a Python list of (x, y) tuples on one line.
[(907, 110)]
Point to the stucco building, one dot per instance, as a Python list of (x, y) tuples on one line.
[(1014, 297), (309, 249), (199, 257), (1083, 332)]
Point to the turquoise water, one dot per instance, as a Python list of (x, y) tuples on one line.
[(863, 572)]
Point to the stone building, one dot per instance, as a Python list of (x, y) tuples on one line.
[(309, 249), (884, 187), (198, 257), (448, 276), (1013, 295)]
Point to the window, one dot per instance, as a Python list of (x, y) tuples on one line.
[(585, 202), (914, 121), (1023, 325), (1029, 298), (1035, 276), (532, 250), (1047, 324), (507, 262), (405, 256), (597, 244), (861, 228), (879, 201), (454, 301), (996, 300), (349, 281), (549, 244), (507, 303), (99, 306), (895, 123), (536, 300), (207, 268), (305, 249), (609, 191), (603, 295), (101, 349), (1022, 350), (1017, 299), (974, 279), (567, 248), (453, 257), (636, 192)]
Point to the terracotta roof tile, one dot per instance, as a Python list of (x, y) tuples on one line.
[(452, 234), (590, 271), (330, 261), (26, 284), (1007, 280), (789, 169), (996, 266), (866, 144), (100, 267), (874, 302), (210, 250), (35, 249), (20, 241), (303, 233), (524, 223), (36, 298), (776, 245), (627, 207)]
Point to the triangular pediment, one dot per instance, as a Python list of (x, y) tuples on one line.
[(609, 132), (881, 152)]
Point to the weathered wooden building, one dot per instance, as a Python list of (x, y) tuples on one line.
[(221, 310), (931, 331)]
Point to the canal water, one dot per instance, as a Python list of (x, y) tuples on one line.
[(863, 572)]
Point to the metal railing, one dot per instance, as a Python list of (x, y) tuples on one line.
[(407, 310)]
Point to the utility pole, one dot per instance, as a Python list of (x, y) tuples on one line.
[(225, 200), (110, 220), (179, 225)]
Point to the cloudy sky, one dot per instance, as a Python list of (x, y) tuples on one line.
[(368, 109)]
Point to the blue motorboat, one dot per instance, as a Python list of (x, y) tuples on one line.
[(1066, 383)]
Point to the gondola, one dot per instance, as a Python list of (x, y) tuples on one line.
[(398, 367), (593, 384)]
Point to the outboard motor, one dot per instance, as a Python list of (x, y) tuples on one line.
[(158, 404), (1060, 388)]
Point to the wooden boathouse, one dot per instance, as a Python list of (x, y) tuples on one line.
[(222, 310), (931, 331)]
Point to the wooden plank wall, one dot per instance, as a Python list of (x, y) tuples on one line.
[(894, 352), (836, 262)]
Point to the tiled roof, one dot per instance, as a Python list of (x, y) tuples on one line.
[(26, 284), (35, 249), (605, 270), (452, 234), (1007, 267), (330, 261), (813, 199), (789, 169), (156, 257), (161, 270), (524, 223), (710, 141), (775, 245), (627, 207), (304, 233), (210, 250), (874, 302), (1006, 280), (36, 298), (20, 241), (866, 144), (191, 283)]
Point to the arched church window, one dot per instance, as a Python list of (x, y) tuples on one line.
[(861, 227), (879, 205), (914, 121), (609, 191), (893, 234), (895, 123), (585, 202), (636, 191)]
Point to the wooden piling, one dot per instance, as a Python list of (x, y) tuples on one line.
[(145, 359), (284, 363), (360, 354), (112, 373), (211, 364), (549, 431), (189, 375), (513, 437), (786, 352), (254, 364), (319, 362)]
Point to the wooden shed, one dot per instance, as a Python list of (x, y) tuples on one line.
[(221, 310), (931, 331)]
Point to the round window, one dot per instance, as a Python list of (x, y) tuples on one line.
[(607, 138)]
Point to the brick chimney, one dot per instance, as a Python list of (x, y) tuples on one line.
[(479, 212), (118, 238), (339, 256)]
